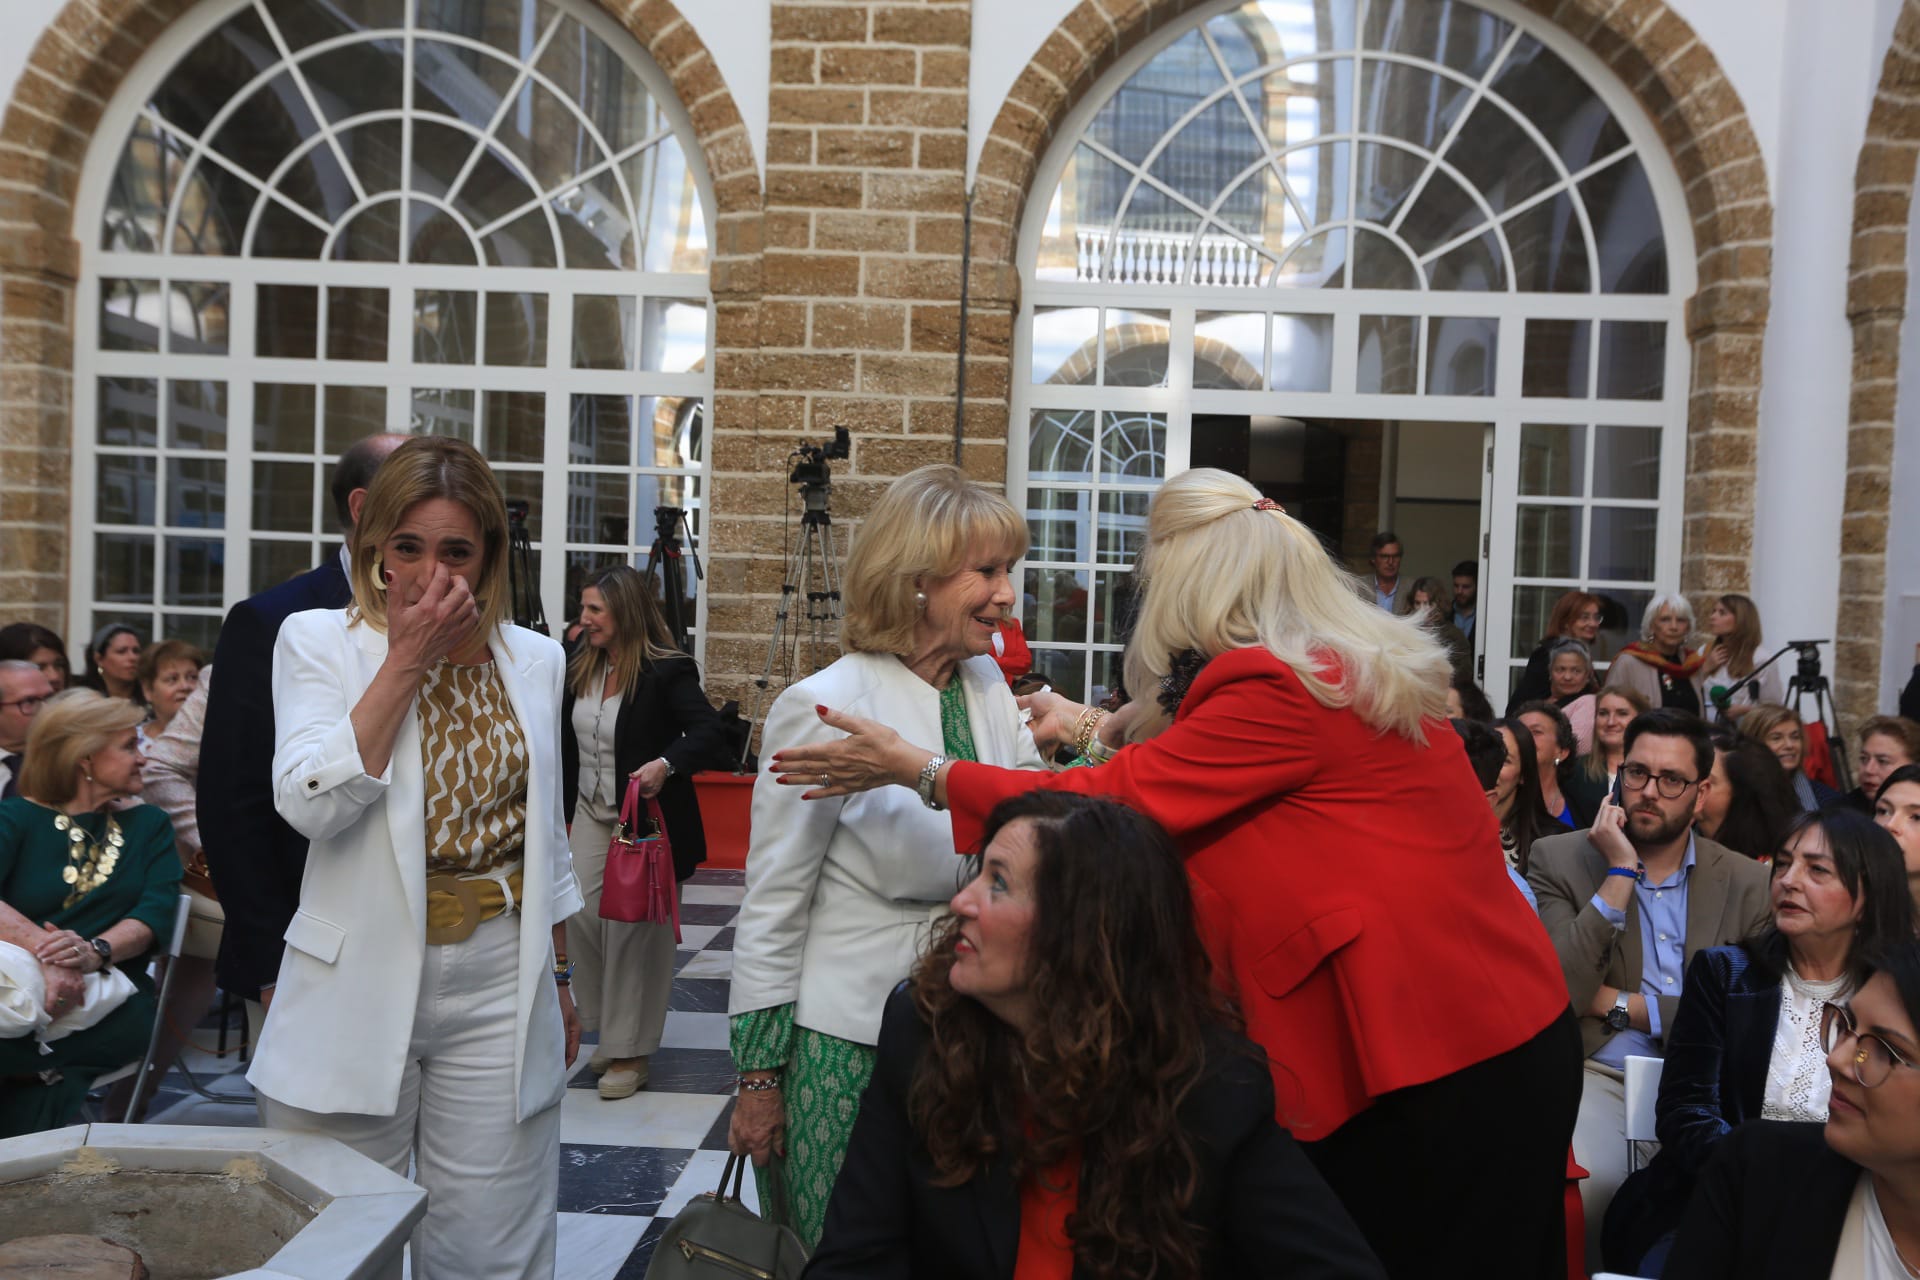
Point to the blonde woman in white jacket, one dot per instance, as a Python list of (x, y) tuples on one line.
[(841, 894), (421, 1013)]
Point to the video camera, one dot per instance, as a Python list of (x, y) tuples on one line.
[(813, 458)]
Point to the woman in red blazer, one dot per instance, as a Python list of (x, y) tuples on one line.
[(1346, 875)]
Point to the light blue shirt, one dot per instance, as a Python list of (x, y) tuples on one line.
[(1464, 621), (1663, 957), (1385, 598)]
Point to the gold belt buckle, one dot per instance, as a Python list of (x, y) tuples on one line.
[(463, 893)]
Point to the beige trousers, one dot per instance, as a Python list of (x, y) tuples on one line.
[(623, 973)]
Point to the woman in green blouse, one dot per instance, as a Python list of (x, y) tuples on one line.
[(81, 886)]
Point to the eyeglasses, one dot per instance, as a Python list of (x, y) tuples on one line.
[(1873, 1058), (1634, 777), (28, 705)]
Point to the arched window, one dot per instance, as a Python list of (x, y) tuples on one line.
[(1288, 239), (323, 218)]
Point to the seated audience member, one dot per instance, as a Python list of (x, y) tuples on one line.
[(1517, 803), (1746, 1040), (1886, 743), (1468, 701), (1628, 904), (1778, 729), (23, 691), (1487, 754), (31, 642), (1750, 804), (1786, 1201), (1733, 653), (113, 662), (1658, 665), (1571, 686), (1897, 808), (1434, 607), (167, 675), (1576, 615), (1591, 778), (82, 887), (1060, 1089), (1554, 745)]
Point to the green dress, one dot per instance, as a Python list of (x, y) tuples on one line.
[(144, 886), (822, 1076)]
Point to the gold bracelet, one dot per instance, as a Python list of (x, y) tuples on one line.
[(1089, 724)]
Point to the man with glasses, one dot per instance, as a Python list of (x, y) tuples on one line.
[(1384, 554), (1628, 903), (23, 690)]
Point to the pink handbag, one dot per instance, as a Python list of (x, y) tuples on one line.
[(638, 887)]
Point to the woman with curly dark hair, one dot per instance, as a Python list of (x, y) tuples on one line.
[(1061, 1071)]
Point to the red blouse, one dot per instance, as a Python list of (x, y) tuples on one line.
[(1046, 1252)]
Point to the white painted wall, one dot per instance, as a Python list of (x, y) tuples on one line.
[(739, 35)]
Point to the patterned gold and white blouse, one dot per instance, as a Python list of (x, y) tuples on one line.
[(475, 760)]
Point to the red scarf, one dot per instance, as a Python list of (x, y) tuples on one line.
[(1685, 669)]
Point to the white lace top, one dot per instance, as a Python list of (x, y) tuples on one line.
[(1797, 1081)]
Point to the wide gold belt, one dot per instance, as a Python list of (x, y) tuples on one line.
[(456, 905)]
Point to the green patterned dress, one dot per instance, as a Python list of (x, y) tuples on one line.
[(822, 1076)]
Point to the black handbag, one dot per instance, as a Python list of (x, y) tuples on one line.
[(716, 1237)]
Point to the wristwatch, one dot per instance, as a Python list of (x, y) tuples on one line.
[(1617, 1019), (104, 950), (670, 769)]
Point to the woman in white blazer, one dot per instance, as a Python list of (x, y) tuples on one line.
[(421, 1012), (841, 894)]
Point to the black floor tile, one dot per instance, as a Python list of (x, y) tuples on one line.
[(716, 1139), (623, 1180), (719, 875), (708, 913), (722, 941), (642, 1256), (700, 995)]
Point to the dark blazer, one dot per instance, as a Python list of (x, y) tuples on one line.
[(1770, 1205), (1264, 1208), (1718, 1051), (256, 859), (667, 715)]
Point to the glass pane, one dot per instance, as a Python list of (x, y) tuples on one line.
[(288, 321), (124, 490), (353, 413), (525, 242), (524, 486), (1229, 350), (1220, 259), (123, 568), (1066, 344), (1623, 543), (1557, 102), (1440, 214), (1114, 601), (373, 235), (517, 329), (1109, 676), (651, 496), (442, 412), (130, 315), (597, 508), (356, 324), (271, 563), (197, 493), (1626, 462), (1136, 349), (604, 334), (1302, 353), (444, 328), (1547, 542), (1318, 177), (1626, 223), (1476, 266), (1460, 355), (1133, 446), (667, 203), (1058, 525), (1379, 263), (283, 417), (1553, 460), (197, 318), (1532, 607), (1620, 615), (129, 411), (1557, 358), (1549, 248), (197, 415), (1060, 445), (1410, 102), (675, 335), (438, 240), (670, 431), (201, 630), (1497, 156), (582, 567), (195, 570), (282, 501), (1449, 32), (1387, 355), (599, 430), (1318, 262), (1633, 359), (1056, 605), (1123, 526), (1064, 669), (516, 424)]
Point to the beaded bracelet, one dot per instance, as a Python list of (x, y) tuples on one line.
[(759, 1086)]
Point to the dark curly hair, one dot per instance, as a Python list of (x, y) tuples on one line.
[(1123, 997)]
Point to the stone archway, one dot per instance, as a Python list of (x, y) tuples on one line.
[(1876, 307), (1679, 83), (48, 126)]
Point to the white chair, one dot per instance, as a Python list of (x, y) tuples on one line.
[(1642, 1091), (144, 1063)]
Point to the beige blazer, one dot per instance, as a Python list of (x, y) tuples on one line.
[(1727, 900)]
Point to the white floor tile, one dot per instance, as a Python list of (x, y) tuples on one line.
[(721, 895), (708, 964), (594, 1246), (695, 936), (647, 1119), (702, 1175), (694, 1031), (197, 1110)]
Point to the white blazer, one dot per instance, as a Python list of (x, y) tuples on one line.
[(336, 1036), (841, 894)]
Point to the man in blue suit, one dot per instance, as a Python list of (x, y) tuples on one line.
[(255, 858)]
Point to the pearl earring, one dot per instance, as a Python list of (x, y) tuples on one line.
[(920, 601)]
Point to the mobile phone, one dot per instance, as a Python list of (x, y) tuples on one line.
[(1619, 795)]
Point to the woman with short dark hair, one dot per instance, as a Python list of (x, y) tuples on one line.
[(1555, 744)]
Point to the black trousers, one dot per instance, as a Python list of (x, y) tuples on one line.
[(1466, 1175)]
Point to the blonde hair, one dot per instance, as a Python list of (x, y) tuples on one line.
[(925, 526), (640, 633), (72, 725), (1763, 718), (1596, 759), (424, 468), (1218, 575)]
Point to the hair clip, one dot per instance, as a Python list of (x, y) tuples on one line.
[(1268, 504)]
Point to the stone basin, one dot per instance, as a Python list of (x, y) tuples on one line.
[(203, 1202)]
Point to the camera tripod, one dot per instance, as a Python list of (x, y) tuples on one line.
[(672, 559), (810, 572), (523, 590), (1808, 681)]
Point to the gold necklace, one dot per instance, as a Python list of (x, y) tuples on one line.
[(90, 861)]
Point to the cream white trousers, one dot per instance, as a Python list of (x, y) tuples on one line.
[(1600, 1147), (623, 973), (493, 1183)]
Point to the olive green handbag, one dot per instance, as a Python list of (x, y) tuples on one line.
[(716, 1237)]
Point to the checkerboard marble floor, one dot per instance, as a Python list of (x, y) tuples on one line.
[(626, 1167)]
